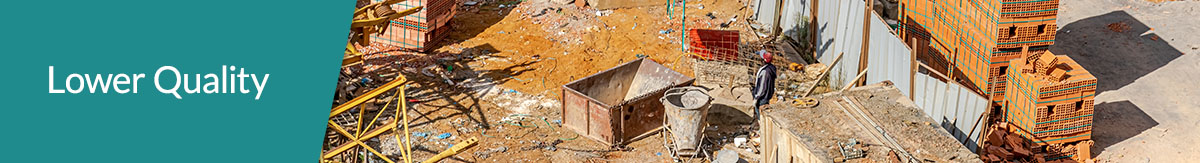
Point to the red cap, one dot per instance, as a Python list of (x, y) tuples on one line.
[(766, 56)]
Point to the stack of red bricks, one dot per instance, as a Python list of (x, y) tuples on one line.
[(1050, 100), (952, 37), (1000, 145), (420, 31), (1025, 27), (709, 44)]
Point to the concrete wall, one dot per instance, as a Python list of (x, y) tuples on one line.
[(780, 146)]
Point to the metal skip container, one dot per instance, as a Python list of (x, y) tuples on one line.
[(686, 109), (615, 106)]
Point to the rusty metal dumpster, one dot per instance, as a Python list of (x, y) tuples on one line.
[(621, 103)]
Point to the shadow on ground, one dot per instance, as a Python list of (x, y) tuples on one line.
[(469, 21), (452, 88), (724, 124), (1117, 49), (1118, 121), (1115, 57)]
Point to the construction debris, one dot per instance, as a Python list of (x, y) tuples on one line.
[(1119, 27), (534, 76), (829, 132)]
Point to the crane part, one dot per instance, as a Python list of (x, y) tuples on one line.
[(355, 142), (357, 138), (369, 95)]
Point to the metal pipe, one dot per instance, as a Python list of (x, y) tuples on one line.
[(404, 110), (683, 28)]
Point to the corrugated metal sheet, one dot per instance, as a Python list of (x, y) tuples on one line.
[(840, 29), (840, 26), (955, 107), (765, 12), (792, 16), (888, 58)]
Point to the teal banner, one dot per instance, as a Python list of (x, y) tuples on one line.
[(168, 81)]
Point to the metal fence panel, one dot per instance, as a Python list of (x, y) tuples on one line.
[(953, 106), (790, 16), (889, 59), (840, 31), (765, 12)]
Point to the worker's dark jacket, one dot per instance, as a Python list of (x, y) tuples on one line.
[(764, 84)]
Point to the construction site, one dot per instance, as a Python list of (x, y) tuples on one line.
[(857, 81)]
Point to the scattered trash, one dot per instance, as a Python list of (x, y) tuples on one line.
[(443, 136), (470, 3), (1118, 27), (641, 55), (420, 134), (550, 146), (517, 78), (666, 31), (658, 153), (739, 141), (604, 13), (849, 149), (501, 32), (727, 156), (488, 153)]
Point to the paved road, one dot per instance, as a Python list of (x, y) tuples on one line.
[(1148, 108)]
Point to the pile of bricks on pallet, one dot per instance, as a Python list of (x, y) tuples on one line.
[(1000, 145), (420, 31), (1025, 27), (953, 37), (1050, 99)]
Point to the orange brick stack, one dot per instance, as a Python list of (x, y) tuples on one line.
[(710, 44), (419, 31), (1049, 99), (1025, 27), (953, 37)]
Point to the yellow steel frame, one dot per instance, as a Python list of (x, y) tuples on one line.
[(356, 139)]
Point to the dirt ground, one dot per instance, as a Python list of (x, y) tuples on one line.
[(1146, 108), (497, 77)]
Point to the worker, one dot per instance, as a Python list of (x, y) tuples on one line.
[(764, 84)]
